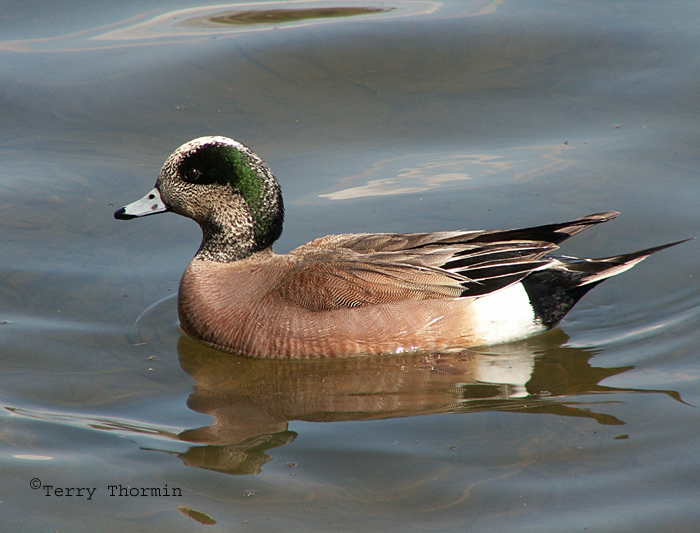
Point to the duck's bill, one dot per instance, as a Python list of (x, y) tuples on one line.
[(150, 204)]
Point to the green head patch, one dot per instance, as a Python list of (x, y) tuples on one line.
[(236, 166)]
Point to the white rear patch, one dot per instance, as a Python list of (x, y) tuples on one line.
[(505, 316), (512, 371)]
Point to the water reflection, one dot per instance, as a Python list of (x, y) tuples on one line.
[(253, 401), (279, 16), (421, 172), (189, 24)]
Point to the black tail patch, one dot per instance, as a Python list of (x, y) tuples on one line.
[(554, 291)]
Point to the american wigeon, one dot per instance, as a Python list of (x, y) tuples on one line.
[(354, 294)]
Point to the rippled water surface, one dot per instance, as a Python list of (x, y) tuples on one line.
[(375, 116)]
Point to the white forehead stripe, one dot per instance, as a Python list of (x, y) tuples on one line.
[(195, 144)]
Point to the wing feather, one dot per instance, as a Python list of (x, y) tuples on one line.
[(354, 270), (370, 271)]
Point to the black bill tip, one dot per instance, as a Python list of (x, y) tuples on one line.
[(121, 214)]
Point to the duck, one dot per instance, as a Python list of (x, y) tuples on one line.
[(358, 293)]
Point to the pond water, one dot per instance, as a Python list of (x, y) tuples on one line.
[(375, 116)]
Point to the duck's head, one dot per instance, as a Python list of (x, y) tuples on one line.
[(224, 187)]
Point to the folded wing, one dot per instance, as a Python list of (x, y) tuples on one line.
[(355, 270)]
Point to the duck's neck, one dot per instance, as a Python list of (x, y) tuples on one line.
[(225, 241), (233, 231), (223, 248)]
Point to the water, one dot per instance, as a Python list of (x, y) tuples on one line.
[(411, 116)]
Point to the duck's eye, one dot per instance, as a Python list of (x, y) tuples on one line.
[(192, 175)]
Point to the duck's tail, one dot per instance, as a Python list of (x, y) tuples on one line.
[(554, 233), (555, 289)]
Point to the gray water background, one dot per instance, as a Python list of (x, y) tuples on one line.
[(425, 116)]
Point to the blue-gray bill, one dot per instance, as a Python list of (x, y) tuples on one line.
[(150, 204)]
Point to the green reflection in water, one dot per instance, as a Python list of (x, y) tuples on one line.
[(279, 16), (197, 516)]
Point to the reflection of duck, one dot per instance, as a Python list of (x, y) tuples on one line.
[(355, 294), (252, 401)]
